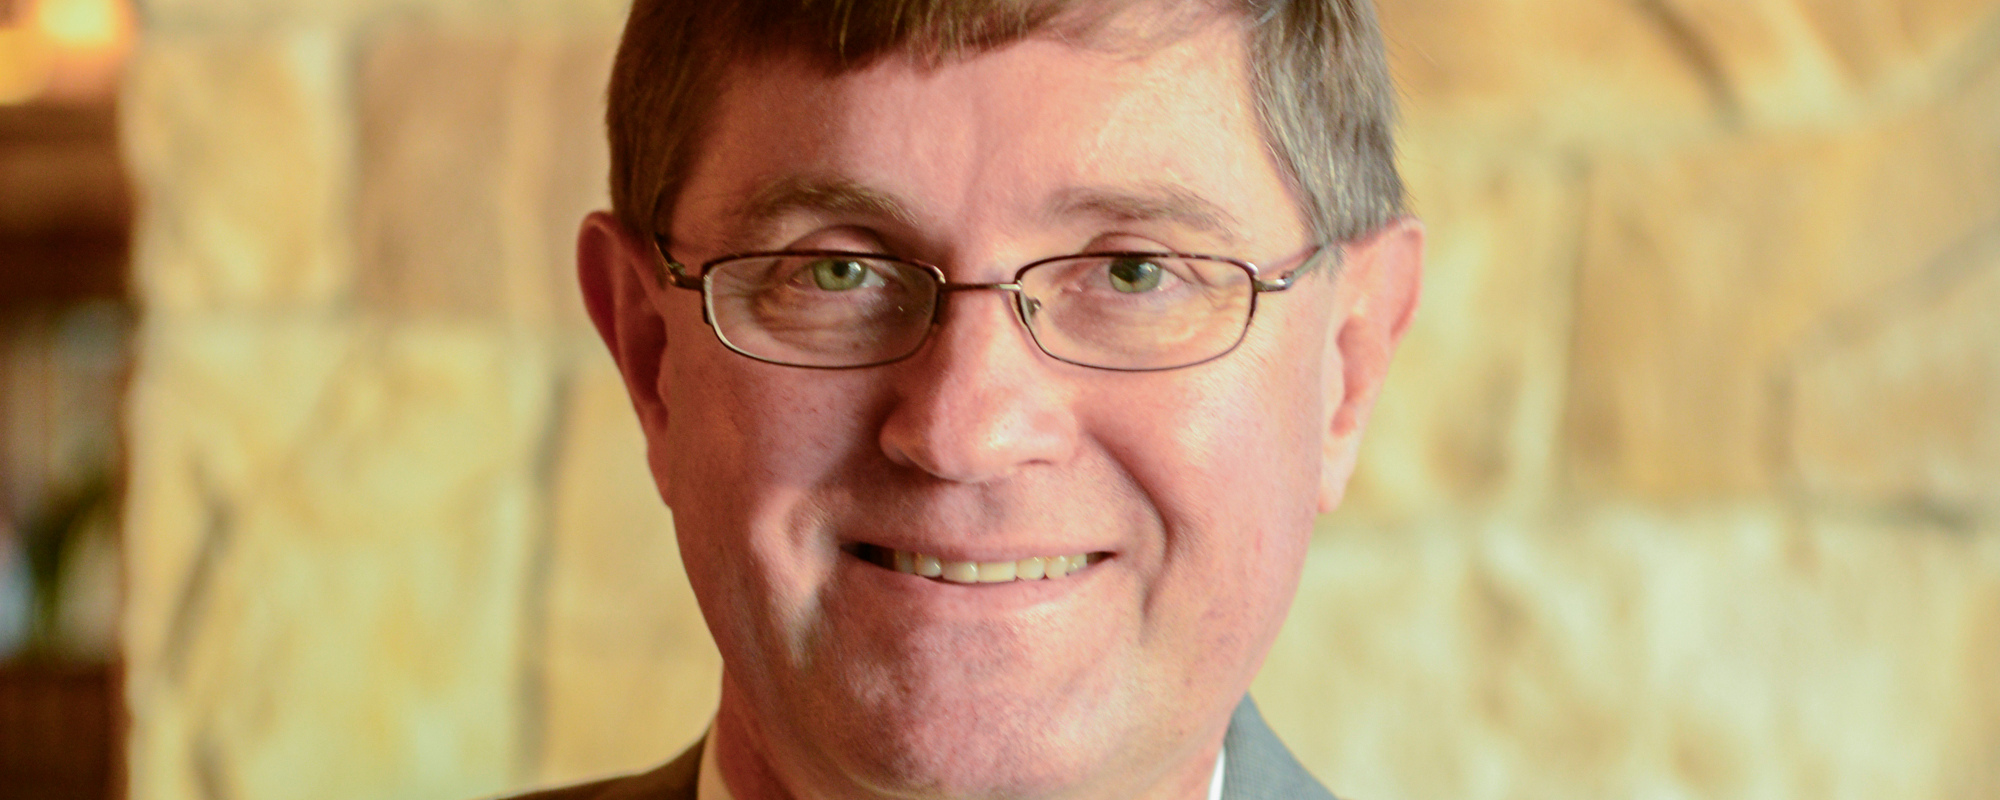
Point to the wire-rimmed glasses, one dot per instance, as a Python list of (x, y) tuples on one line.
[(836, 309)]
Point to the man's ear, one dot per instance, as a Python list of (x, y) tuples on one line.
[(612, 267), (1382, 276)]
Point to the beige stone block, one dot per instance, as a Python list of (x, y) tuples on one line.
[(1719, 653), (1473, 405), (480, 154), (1899, 404), (1705, 270), (1816, 62), (1519, 72), (238, 147), (211, 405), (328, 543), (630, 674)]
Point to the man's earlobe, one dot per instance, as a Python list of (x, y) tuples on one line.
[(612, 268), (1383, 277)]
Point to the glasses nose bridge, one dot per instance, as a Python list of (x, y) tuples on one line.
[(1020, 295), (1020, 303), (1011, 286)]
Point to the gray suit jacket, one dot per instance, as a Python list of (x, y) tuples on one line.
[(1258, 768)]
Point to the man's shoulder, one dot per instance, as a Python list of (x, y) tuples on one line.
[(1258, 766), (674, 780)]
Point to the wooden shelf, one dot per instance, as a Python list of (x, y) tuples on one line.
[(66, 210), (59, 729)]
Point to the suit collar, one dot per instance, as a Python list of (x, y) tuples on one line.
[(1259, 766)]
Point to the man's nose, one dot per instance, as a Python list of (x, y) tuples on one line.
[(980, 401)]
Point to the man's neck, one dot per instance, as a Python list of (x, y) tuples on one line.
[(733, 768), (710, 785)]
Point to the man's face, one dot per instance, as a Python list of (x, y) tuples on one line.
[(1193, 491)]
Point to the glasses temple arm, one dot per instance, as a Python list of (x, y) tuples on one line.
[(1277, 284), (1285, 280), (668, 272)]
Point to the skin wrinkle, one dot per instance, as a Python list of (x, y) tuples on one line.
[(1153, 202), (796, 202), (764, 215)]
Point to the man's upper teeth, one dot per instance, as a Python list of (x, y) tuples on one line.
[(1027, 569)]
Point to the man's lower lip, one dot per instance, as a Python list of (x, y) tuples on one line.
[(1034, 568)]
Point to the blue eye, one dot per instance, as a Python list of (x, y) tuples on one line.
[(1133, 275), (838, 274)]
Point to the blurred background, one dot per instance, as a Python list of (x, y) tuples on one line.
[(315, 484), (66, 326)]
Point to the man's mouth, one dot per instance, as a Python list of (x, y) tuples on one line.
[(1034, 568)]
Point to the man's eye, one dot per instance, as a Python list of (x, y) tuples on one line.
[(1132, 275), (838, 274)]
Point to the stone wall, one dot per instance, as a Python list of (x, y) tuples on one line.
[(1687, 483)]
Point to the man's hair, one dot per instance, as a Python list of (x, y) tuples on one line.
[(1319, 79)]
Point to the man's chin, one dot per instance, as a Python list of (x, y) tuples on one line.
[(949, 741)]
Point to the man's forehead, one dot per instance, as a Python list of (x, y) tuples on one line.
[(827, 147)]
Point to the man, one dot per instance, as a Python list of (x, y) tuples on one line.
[(963, 527)]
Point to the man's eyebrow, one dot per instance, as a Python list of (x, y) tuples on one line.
[(758, 215), (1148, 202)]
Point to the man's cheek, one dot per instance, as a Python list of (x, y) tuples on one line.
[(801, 424), (739, 424), (1225, 425), (755, 589)]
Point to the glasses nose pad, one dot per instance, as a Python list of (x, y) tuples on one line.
[(1029, 308)]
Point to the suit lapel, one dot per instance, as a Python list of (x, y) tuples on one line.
[(1259, 767)]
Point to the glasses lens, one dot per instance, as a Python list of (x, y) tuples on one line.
[(821, 309), (1137, 311)]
